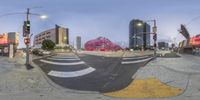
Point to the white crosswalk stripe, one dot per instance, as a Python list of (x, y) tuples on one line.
[(71, 61), (59, 63), (136, 61), (127, 58), (68, 59), (64, 57), (72, 73)]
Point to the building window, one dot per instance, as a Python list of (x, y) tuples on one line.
[(48, 37)]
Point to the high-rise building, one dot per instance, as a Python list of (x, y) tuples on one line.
[(139, 34), (59, 35), (78, 42)]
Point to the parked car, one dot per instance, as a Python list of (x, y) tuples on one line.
[(46, 52), (37, 52)]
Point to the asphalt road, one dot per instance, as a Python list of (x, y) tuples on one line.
[(91, 73)]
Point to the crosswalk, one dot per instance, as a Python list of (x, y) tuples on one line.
[(68, 62), (73, 66), (135, 60)]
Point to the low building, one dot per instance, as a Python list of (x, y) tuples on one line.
[(59, 35)]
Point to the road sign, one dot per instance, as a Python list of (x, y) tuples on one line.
[(154, 29), (26, 40)]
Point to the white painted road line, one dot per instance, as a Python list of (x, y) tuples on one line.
[(58, 63), (71, 74), (127, 58), (64, 57), (70, 59), (137, 61)]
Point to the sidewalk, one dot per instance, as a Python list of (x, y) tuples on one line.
[(17, 83), (160, 76)]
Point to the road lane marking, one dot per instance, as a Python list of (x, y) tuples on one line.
[(70, 59), (127, 58), (64, 57), (58, 63), (137, 61), (71, 74)]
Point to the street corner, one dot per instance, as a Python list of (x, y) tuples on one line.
[(146, 88)]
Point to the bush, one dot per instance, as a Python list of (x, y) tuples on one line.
[(58, 47), (48, 45)]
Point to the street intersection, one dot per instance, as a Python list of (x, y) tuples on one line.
[(91, 72)]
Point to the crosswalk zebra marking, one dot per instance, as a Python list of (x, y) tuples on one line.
[(136, 61), (72, 73), (58, 63), (127, 58), (68, 59)]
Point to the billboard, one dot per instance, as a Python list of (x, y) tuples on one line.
[(3, 39), (195, 41), (7, 38)]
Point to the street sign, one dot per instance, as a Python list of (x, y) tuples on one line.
[(154, 29), (26, 40)]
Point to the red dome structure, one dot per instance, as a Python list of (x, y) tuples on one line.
[(101, 44)]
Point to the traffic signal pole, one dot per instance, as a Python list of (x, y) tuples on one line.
[(28, 66), (155, 36), (27, 36)]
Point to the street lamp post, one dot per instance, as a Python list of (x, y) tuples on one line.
[(26, 35), (155, 36), (27, 44), (154, 33)]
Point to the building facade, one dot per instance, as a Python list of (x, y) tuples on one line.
[(139, 34), (101, 44), (59, 35), (78, 42)]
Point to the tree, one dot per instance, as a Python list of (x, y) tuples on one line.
[(48, 45)]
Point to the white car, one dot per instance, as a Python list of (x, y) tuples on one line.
[(46, 52)]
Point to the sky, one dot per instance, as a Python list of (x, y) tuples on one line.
[(108, 18)]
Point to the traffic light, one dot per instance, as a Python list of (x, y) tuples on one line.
[(155, 45), (26, 28), (155, 36)]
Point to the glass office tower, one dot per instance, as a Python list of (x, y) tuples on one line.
[(139, 34)]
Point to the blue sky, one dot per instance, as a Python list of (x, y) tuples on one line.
[(109, 18)]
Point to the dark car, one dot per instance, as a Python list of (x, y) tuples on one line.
[(37, 52)]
